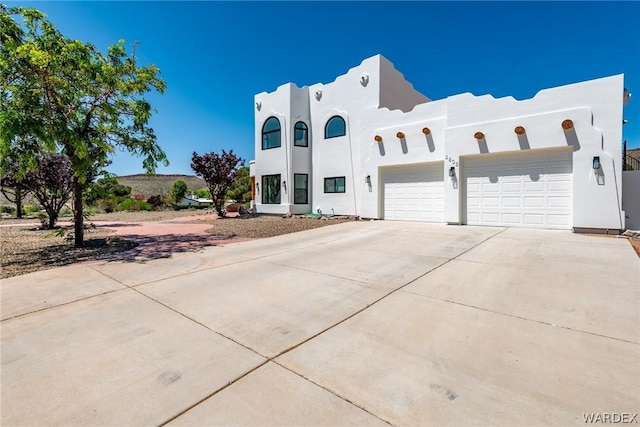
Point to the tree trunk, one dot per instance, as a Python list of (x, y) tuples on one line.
[(18, 203), (78, 214), (52, 222)]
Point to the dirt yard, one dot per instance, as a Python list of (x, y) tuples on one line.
[(25, 247)]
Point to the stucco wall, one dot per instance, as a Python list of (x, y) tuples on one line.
[(631, 198), (597, 199), (375, 99)]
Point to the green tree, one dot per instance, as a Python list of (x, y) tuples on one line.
[(105, 188), (178, 191), (203, 193), (240, 191), (59, 94)]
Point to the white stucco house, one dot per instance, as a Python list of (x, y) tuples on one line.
[(369, 145)]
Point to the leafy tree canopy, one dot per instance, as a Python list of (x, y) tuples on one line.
[(240, 191), (105, 188), (219, 172), (59, 94), (178, 191), (202, 193)]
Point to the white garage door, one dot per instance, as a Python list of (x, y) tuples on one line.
[(414, 193), (525, 189)]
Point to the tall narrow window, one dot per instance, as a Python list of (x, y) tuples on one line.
[(271, 189), (271, 133), (334, 185), (301, 135), (301, 190), (335, 127)]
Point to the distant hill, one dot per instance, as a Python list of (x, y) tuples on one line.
[(152, 185), (147, 185)]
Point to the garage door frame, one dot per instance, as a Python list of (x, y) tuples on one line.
[(545, 194), (433, 173)]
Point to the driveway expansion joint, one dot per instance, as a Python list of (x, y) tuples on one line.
[(522, 318)]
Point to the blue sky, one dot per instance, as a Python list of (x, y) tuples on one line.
[(215, 56)]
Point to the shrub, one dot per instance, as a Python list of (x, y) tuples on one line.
[(108, 205), (92, 210), (133, 205), (156, 201), (125, 205), (7, 209), (31, 209)]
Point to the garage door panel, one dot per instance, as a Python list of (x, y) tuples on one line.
[(533, 187), (534, 219), (418, 192), (558, 219), (529, 189), (511, 202), (559, 186), (511, 218), (559, 202), (490, 217), (534, 202), (512, 187)]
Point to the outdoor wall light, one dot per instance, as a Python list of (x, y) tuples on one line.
[(258, 105), (378, 138), (478, 135), (567, 124), (452, 171), (318, 94), (519, 130), (257, 187), (367, 179), (596, 162), (400, 135), (364, 79), (284, 185), (426, 131)]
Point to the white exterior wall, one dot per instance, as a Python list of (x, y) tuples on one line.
[(349, 98), (631, 197), (416, 147), (597, 131), (375, 99)]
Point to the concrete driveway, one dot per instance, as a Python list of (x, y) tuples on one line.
[(363, 323)]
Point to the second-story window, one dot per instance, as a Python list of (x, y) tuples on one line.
[(301, 135), (271, 133), (335, 127)]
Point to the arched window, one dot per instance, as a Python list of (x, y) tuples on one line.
[(335, 127), (301, 135), (271, 133)]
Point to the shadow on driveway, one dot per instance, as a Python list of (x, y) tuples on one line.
[(157, 247)]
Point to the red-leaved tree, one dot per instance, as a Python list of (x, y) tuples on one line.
[(51, 184), (12, 186), (219, 171)]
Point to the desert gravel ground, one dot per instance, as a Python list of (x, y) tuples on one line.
[(25, 247)]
